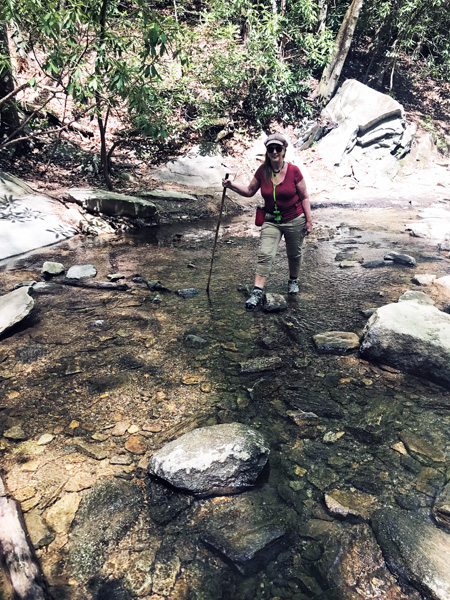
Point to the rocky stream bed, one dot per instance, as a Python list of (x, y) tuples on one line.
[(353, 501)]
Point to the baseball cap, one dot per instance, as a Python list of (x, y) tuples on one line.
[(276, 138)]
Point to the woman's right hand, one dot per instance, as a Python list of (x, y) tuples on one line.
[(226, 183)]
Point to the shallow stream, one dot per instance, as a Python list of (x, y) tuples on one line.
[(103, 367)]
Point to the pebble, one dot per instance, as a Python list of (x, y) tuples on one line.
[(136, 444), (45, 439), (331, 437), (152, 427), (15, 433), (121, 459), (120, 428)]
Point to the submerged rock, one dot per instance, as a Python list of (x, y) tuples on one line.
[(336, 342), (441, 508), (344, 503), (410, 337), (415, 550), (258, 365), (220, 459), (401, 259), (14, 307), (188, 292), (274, 303), (245, 530)]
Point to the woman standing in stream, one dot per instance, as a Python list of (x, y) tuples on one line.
[(287, 212)]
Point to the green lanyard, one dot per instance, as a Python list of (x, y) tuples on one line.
[(276, 212)]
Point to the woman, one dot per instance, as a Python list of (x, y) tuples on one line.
[(288, 213)]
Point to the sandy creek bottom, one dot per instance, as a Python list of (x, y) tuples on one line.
[(103, 367)]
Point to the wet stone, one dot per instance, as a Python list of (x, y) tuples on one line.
[(441, 508), (259, 365), (274, 303), (165, 574), (188, 292), (245, 530), (15, 433), (165, 503), (106, 513), (195, 341), (321, 477), (416, 550), (421, 448), (218, 459), (401, 259), (315, 401), (336, 342), (376, 264), (308, 423), (344, 503)]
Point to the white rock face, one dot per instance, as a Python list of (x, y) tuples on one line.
[(444, 284), (412, 337), (14, 307), (212, 460)]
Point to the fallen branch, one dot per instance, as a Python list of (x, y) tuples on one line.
[(18, 558), (13, 93), (95, 285)]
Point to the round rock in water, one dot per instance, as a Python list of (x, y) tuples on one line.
[(221, 459)]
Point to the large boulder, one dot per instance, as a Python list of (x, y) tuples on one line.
[(415, 550), (201, 167), (412, 337), (363, 117), (14, 307), (29, 220), (110, 203), (219, 459)]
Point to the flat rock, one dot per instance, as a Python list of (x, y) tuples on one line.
[(38, 530), (246, 530), (61, 514), (113, 204), (401, 259), (377, 264), (188, 292), (344, 503), (167, 195), (421, 447), (336, 342), (411, 337), (416, 550), (212, 460), (15, 433), (274, 303), (261, 364), (14, 307), (81, 271), (196, 169)]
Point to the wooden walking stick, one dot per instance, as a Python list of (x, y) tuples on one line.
[(217, 235)]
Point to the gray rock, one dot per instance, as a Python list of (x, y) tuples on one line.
[(415, 296), (261, 364), (196, 169), (376, 264), (315, 401), (443, 283), (247, 530), (212, 460), (113, 204), (441, 508), (274, 303), (401, 259), (188, 292), (352, 564), (359, 111), (106, 513), (415, 550), (195, 341), (81, 271), (336, 342), (14, 307), (411, 337), (15, 433), (52, 268), (167, 195)]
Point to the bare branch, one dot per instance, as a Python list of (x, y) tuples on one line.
[(13, 93)]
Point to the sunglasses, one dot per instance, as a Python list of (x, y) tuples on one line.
[(275, 147)]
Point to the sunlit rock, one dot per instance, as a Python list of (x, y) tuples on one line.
[(401, 259), (415, 549), (14, 307), (411, 337), (81, 271), (344, 503), (212, 460), (421, 448), (423, 278), (416, 296), (111, 203), (52, 268), (336, 342)]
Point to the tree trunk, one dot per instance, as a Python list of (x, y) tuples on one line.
[(321, 21), (332, 71), (22, 570), (9, 118)]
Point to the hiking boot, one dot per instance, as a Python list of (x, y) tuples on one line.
[(254, 300), (293, 287)]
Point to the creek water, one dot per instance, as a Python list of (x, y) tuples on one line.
[(87, 360)]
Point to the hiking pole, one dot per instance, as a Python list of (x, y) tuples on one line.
[(217, 235)]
